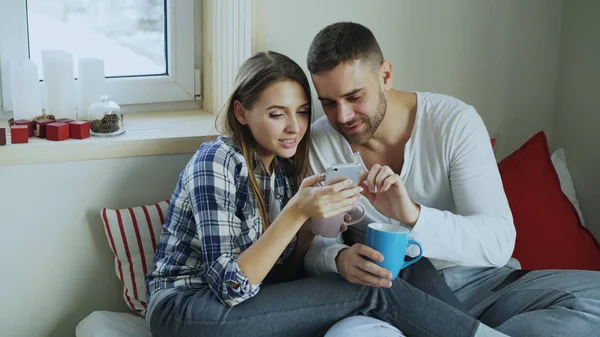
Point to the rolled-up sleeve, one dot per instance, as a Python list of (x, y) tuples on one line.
[(320, 257), (213, 193)]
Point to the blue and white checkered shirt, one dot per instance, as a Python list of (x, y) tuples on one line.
[(213, 217)]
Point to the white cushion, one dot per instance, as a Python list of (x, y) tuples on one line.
[(112, 324), (359, 326), (566, 181), (132, 235)]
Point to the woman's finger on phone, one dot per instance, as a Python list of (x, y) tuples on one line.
[(347, 193), (342, 206), (313, 180), (337, 187)]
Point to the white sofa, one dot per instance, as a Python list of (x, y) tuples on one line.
[(132, 234)]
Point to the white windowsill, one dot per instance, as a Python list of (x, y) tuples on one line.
[(147, 134)]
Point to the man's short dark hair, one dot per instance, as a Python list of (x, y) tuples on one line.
[(342, 42)]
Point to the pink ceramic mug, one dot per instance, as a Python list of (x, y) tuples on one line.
[(330, 227)]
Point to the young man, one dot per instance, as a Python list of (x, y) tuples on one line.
[(446, 188)]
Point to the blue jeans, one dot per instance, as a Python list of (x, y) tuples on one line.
[(537, 303), (307, 307)]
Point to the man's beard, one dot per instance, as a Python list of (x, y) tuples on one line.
[(371, 123)]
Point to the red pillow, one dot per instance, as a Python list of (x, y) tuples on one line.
[(549, 232)]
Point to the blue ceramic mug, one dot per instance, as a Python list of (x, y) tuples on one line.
[(392, 242)]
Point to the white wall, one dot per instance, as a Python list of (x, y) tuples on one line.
[(577, 110), (57, 266), (499, 56)]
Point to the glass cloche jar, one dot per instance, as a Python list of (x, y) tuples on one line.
[(105, 118)]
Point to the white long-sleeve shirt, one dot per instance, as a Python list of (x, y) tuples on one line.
[(450, 170)]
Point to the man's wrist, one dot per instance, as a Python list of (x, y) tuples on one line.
[(337, 257), (412, 221)]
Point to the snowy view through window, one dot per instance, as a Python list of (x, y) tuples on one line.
[(129, 35)]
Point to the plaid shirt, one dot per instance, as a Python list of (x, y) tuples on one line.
[(213, 217)]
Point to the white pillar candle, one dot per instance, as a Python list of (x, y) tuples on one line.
[(26, 94), (59, 83), (91, 81)]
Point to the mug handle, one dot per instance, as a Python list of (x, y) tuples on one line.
[(416, 258), (362, 216)]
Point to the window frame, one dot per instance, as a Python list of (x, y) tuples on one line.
[(178, 86)]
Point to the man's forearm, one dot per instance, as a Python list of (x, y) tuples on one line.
[(477, 240)]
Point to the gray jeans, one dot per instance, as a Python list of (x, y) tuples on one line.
[(307, 307), (537, 303)]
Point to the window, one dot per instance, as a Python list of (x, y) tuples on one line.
[(147, 45), (130, 36), (151, 48)]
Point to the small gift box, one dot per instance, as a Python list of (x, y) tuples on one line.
[(29, 125), (64, 120), (57, 131), (79, 129), (2, 136), (40, 127), (19, 134)]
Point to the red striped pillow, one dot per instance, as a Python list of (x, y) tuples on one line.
[(133, 234)]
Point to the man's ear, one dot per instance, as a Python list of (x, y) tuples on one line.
[(240, 112), (385, 75)]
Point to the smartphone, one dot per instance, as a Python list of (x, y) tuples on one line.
[(338, 172)]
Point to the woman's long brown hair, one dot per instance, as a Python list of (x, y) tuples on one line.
[(254, 76)]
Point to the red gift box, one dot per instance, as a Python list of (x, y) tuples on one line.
[(57, 131), (64, 120), (2, 136), (19, 134), (79, 129), (40, 127), (24, 122)]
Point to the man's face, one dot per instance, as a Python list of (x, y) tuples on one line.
[(352, 99)]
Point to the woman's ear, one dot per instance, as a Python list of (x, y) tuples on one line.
[(240, 112)]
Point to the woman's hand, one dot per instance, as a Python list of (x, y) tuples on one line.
[(325, 201)]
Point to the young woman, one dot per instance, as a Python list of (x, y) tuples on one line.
[(237, 227)]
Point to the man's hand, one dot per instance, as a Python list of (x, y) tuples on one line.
[(387, 193), (354, 267)]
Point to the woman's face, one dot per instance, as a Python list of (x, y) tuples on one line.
[(278, 120)]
